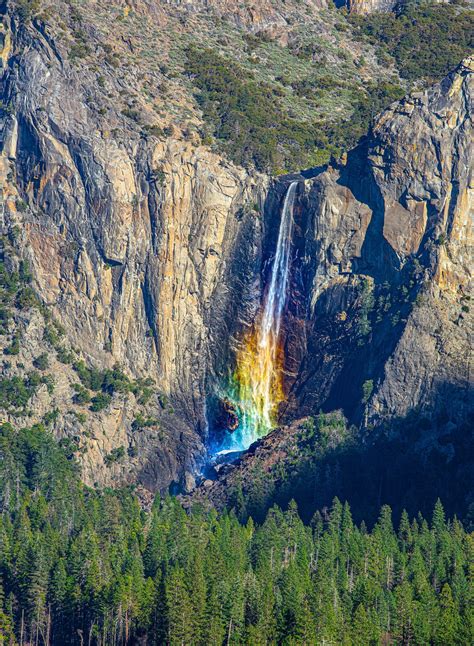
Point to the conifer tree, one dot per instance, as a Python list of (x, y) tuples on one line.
[(178, 609), (438, 522), (448, 621), (404, 531), (361, 629), (403, 620), (7, 637)]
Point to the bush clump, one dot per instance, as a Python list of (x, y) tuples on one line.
[(42, 361), (100, 402), (141, 422), (27, 298), (50, 417), (53, 334), (15, 392), (64, 356), (247, 116), (14, 347), (82, 395), (115, 455), (113, 381), (15, 290)]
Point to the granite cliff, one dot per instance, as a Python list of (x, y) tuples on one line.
[(138, 248), (130, 240), (396, 214)]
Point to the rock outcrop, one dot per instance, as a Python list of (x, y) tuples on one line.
[(371, 6), (388, 265), (363, 7)]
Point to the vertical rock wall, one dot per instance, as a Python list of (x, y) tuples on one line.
[(135, 243)]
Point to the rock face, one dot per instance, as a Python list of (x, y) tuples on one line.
[(146, 248), (132, 242), (370, 6), (374, 6), (388, 251)]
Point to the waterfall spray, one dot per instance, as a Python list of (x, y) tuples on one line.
[(257, 384)]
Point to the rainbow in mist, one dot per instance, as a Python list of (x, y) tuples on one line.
[(256, 387)]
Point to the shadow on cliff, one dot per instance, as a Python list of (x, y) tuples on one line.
[(379, 261), (377, 258), (407, 464)]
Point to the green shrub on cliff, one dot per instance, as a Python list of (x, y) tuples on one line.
[(115, 455), (100, 402), (426, 39), (82, 395), (27, 8), (14, 347), (247, 115), (15, 392), (141, 422), (26, 298), (5, 318), (250, 121), (112, 381), (367, 390), (53, 334)]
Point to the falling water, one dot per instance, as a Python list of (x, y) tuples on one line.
[(276, 296), (257, 384)]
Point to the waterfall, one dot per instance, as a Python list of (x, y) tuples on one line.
[(257, 385), (276, 295)]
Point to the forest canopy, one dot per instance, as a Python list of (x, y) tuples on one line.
[(86, 566)]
